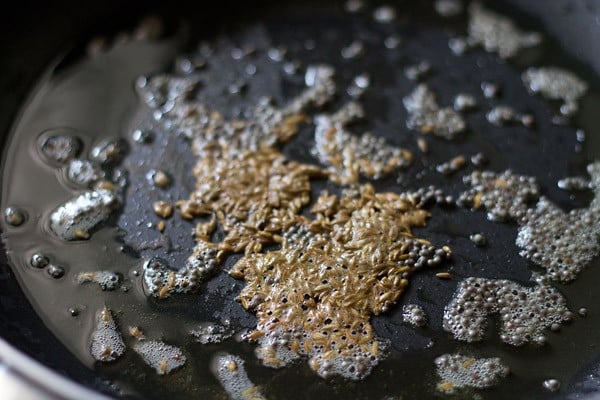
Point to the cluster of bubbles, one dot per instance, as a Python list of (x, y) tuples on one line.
[(106, 341), (414, 314), (162, 357), (557, 84), (211, 332), (459, 371), (107, 280), (505, 196), (561, 243), (525, 312), (494, 32), (502, 114), (425, 115), (161, 281), (229, 371), (75, 218)]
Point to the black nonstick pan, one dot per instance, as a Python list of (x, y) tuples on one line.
[(46, 43)]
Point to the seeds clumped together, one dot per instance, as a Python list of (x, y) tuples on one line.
[(458, 371), (525, 312), (245, 184), (314, 297)]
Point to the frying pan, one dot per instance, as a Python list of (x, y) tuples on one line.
[(34, 37)]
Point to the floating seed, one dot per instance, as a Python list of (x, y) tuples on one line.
[(451, 166), (136, 333), (55, 271), (39, 260), (108, 151), (478, 239), (423, 146), (14, 216), (501, 115), (160, 178), (163, 209)]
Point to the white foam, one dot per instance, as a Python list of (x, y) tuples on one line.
[(162, 357), (106, 342)]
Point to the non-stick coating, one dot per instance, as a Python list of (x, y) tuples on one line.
[(33, 36)]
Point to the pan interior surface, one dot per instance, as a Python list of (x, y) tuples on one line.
[(266, 53)]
